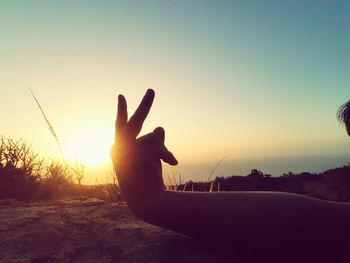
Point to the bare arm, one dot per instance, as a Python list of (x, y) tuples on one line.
[(241, 217), (250, 217)]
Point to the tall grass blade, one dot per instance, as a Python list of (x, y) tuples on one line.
[(51, 129), (216, 166)]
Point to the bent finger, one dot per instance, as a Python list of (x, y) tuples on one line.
[(154, 148), (160, 133), (167, 156)]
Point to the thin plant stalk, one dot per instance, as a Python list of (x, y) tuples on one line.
[(50, 127), (216, 166)]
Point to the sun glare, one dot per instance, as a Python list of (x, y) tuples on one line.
[(90, 148)]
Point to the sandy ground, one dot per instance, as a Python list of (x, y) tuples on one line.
[(91, 230)]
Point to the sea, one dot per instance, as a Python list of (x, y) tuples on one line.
[(208, 170), (205, 171)]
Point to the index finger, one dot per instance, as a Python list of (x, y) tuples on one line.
[(122, 118), (134, 125)]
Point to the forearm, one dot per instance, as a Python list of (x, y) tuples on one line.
[(247, 216), (236, 208)]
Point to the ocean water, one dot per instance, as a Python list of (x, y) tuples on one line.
[(200, 171)]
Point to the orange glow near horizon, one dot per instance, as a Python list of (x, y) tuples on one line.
[(90, 148)]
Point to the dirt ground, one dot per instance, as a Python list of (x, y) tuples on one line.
[(91, 230), (94, 231)]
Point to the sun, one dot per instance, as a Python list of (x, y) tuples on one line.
[(88, 147)]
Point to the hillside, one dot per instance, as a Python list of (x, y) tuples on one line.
[(333, 184)]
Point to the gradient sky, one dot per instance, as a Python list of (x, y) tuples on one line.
[(247, 79)]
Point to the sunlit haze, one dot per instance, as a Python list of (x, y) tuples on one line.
[(255, 81), (88, 147)]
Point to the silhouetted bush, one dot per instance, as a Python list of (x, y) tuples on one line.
[(20, 169), (56, 181), (25, 176)]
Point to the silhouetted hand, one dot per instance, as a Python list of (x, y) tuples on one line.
[(137, 160)]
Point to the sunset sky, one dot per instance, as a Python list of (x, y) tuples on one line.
[(244, 79)]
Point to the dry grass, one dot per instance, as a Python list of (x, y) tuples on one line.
[(25, 176)]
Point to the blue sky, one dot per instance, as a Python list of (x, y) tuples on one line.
[(247, 79)]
